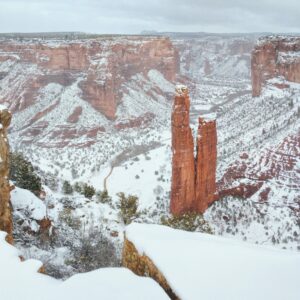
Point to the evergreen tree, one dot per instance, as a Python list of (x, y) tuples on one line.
[(23, 174), (128, 207), (103, 197), (67, 188), (88, 191), (78, 187)]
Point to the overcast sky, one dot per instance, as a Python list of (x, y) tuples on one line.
[(134, 16)]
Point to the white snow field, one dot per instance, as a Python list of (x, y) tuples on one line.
[(20, 281), (201, 266)]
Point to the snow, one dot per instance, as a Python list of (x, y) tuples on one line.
[(24, 200), (202, 266), (20, 280), (142, 172), (3, 107)]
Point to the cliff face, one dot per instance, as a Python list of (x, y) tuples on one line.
[(215, 56), (142, 265), (273, 57), (206, 164), (183, 162), (5, 206), (193, 180), (257, 171), (72, 93), (100, 66)]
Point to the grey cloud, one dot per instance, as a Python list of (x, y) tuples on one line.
[(133, 16)]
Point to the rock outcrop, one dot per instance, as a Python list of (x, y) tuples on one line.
[(253, 174), (100, 66), (183, 161), (206, 164), (142, 265), (5, 188), (193, 180), (274, 57)]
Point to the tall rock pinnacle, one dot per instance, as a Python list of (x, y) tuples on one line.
[(183, 162), (193, 180), (206, 164), (5, 206)]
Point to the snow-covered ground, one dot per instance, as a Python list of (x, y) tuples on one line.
[(202, 266), (20, 280), (138, 160)]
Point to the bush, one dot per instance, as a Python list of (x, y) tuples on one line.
[(103, 197), (128, 207), (78, 187), (189, 222), (88, 191), (67, 188), (93, 251), (66, 217), (23, 174)]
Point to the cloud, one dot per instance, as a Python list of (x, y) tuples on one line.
[(133, 16)]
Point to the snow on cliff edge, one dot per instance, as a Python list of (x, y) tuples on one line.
[(202, 266), (20, 280)]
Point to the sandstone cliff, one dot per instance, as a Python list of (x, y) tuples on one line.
[(273, 57), (5, 206), (252, 174), (142, 265), (100, 65), (193, 180)]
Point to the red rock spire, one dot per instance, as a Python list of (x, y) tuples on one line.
[(193, 180), (183, 162), (206, 164)]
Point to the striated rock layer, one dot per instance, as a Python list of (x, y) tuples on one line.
[(273, 57), (193, 180), (274, 171), (100, 66), (5, 206)]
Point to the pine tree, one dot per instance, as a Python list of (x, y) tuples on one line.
[(88, 191), (23, 174), (67, 188), (128, 207), (78, 187), (103, 197)]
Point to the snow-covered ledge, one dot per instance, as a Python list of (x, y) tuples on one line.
[(201, 266), (21, 280)]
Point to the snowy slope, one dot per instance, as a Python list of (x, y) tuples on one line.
[(201, 266), (20, 280)]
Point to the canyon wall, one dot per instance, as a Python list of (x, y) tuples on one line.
[(274, 57), (100, 66), (193, 185), (5, 205)]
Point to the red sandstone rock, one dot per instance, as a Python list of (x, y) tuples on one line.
[(140, 122), (5, 205), (274, 57), (183, 161), (206, 164), (193, 180), (104, 65), (273, 164), (74, 117), (244, 156)]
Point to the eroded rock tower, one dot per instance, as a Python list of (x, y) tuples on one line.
[(193, 178)]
